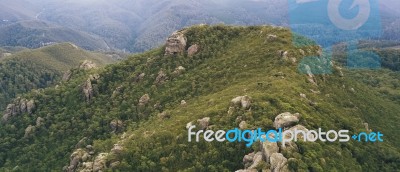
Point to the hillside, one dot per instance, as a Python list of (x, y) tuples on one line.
[(39, 68), (132, 116)]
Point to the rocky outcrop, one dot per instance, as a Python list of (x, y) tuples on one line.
[(161, 78), (252, 161), (179, 70), (192, 50), (75, 159), (144, 100), (139, 77), (29, 131), (116, 126), (268, 148), (183, 103), (88, 89), (278, 163), (87, 64), (18, 107), (292, 145), (204, 122), (243, 125), (310, 75), (243, 101), (39, 122), (100, 161), (117, 149), (67, 76), (286, 120), (176, 44), (164, 115)]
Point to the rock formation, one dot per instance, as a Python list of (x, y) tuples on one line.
[(176, 44)]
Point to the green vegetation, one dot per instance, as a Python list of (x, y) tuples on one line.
[(40, 68), (232, 61)]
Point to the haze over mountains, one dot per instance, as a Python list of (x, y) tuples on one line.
[(136, 26)]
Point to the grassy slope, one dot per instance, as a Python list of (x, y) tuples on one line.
[(39, 68), (233, 61)]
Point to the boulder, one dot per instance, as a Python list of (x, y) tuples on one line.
[(29, 131), (190, 124), (176, 44), (117, 149), (100, 162), (286, 120), (204, 122), (183, 103), (67, 76), (278, 163), (192, 50), (248, 160), (257, 160), (243, 125), (87, 64), (114, 164), (268, 148), (87, 90), (39, 122), (139, 77), (310, 75), (179, 70), (161, 78), (292, 145), (23, 105), (144, 100), (87, 167), (75, 159), (116, 125), (30, 106), (243, 101)]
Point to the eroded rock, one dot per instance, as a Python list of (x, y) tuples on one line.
[(243, 101), (204, 122), (278, 163), (144, 100), (286, 120), (87, 64), (161, 78), (176, 44), (192, 50)]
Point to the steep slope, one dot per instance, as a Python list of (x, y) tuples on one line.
[(135, 109), (39, 68)]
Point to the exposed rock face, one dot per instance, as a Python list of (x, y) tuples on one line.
[(257, 160), (269, 148), (87, 64), (30, 106), (161, 78), (67, 76), (183, 103), (176, 44), (203, 123), (179, 70), (243, 101), (144, 100), (278, 163), (248, 160), (310, 75), (116, 125), (243, 125), (192, 50), (286, 120), (29, 131), (18, 107), (75, 159), (117, 149), (139, 77), (100, 162), (88, 90), (39, 122)]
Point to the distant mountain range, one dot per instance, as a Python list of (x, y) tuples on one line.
[(135, 26)]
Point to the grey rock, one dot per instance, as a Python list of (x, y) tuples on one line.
[(164, 115), (161, 78), (268, 148), (29, 131), (87, 90), (183, 103), (144, 100), (278, 163), (39, 122), (30, 106), (204, 122), (116, 125), (176, 44), (257, 160), (179, 70), (100, 162), (243, 101), (286, 120), (117, 149), (87, 64), (67, 76), (243, 125), (192, 50)]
